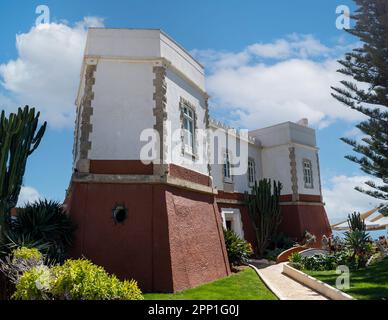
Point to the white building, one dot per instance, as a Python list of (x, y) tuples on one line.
[(136, 85)]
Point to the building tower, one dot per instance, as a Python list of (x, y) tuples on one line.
[(157, 221)]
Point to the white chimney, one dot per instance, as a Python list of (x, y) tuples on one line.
[(303, 122)]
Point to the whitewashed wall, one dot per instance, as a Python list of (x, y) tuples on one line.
[(276, 141), (310, 154), (276, 165), (122, 109), (240, 182), (123, 100), (177, 88)]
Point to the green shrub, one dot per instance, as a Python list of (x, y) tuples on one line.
[(356, 241), (27, 254), (317, 262), (43, 225), (34, 284), (19, 261), (82, 280), (321, 262), (74, 280), (238, 250), (281, 241), (273, 254), (296, 257)]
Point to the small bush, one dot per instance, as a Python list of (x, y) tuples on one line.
[(281, 241), (34, 284), (82, 280), (74, 280), (19, 261), (238, 250), (273, 254), (321, 262), (27, 254), (296, 257)]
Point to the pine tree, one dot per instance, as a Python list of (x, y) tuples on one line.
[(368, 93)]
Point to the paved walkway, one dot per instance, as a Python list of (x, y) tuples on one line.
[(283, 286)]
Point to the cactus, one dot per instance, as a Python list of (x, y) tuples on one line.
[(355, 222), (18, 140), (264, 211)]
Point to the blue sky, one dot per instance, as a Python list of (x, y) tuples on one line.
[(229, 37)]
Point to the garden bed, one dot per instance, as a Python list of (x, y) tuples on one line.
[(314, 284), (244, 285), (368, 283)]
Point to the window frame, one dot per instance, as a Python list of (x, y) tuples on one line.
[(188, 119), (251, 171), (189, 128), (227, 167), (307, 174)]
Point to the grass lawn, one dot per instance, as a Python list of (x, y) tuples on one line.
[(368, 284), (245, 285)]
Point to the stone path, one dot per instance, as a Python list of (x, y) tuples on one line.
[(283, 286)]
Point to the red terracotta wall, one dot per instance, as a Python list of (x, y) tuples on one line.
[(136, 249), (170, 241), (120, 167), (300, 218), (197, 245), (189, 175), (297, 218)]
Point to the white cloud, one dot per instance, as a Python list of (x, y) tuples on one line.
[(355, 134), (341, 199), (27, 194), (295, 45), (46, 71), (293, 84)]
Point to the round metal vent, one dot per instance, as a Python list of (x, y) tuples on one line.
[(119, 213)]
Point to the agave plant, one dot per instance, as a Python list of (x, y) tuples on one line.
[(43, 225), (238, 249)]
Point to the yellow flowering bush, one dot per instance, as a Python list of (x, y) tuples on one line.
[(82, 280), (34, 284), (74, 280), (27, 254)]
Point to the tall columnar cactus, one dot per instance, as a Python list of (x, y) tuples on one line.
[(18, 139), (264, 211)]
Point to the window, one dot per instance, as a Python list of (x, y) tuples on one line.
[(227, 174), (251, 172), (307, 174), (188, 127)]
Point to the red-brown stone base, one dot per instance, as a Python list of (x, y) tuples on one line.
[(299, 218), (171, 240)]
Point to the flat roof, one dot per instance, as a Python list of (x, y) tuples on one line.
[(163, 33)]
